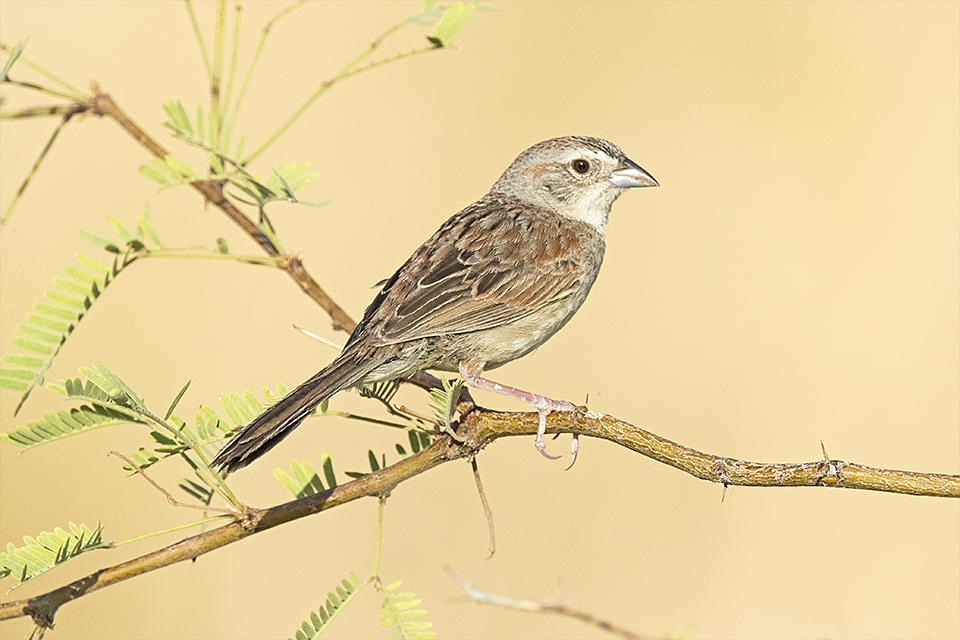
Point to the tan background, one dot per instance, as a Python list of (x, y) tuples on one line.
[(795, 279)]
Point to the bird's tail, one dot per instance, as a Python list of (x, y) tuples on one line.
[(273, 425)]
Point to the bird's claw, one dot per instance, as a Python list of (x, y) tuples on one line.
[(542, 429), (574, 448), (555, 405)]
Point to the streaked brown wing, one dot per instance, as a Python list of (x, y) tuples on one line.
[(480, 270)]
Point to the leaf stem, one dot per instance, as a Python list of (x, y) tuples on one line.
[(217, 70), (179, 527), (74, 93), (347, 71), (199, 35)]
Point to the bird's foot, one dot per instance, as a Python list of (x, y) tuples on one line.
[(543, 404), (546, 406)]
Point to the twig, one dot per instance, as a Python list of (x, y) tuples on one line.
[(318, 338), (558, 608), (173, 501), (103, 105), (488, 514)]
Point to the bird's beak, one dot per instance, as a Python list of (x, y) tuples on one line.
[(630, 174)]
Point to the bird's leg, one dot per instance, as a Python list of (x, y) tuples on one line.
[(543, 404)]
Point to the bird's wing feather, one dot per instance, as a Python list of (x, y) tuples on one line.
[(479, 271)]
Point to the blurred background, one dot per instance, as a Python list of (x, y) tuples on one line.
[(795, 279)]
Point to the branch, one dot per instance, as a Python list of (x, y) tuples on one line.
[(481, 427), (558, 608), (720, 469), (103, 105)]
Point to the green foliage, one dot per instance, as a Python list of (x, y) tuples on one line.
[(201, 491), (106, 399), (383, 392), (62, 425), (286, 180), (44, 333), (419, 441), (397, 609), (101, 412), (204, 135), (47, 551), (444, 402), (319, 621), (452, 21), (375, 465), (210, 428), (14, 54), (305, 481)]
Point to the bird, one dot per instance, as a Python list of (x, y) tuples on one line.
[(493, 283)]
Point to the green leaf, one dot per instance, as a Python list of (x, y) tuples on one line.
[(444, 401), (33, 347), (47, 551), (201, 135), (215, 163), (12, 384), (64, 424), (145, 230), (179, 121), (95, 265), (101, 242), (114, 387), (198, 490), (72, 287), (176, 401), (328, 470), (29, 331), (179, 167), (305, 481), (319, 621), (49, 323), (120, 230), (453, 20), (68, 301), (397, 610), (55, 312), (290, 177), (149, 172), (47, 330), (23, 361), (14, 54)]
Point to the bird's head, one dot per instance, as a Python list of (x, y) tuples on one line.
[(574, 176)]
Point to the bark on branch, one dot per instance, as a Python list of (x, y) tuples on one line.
[(481, 427)]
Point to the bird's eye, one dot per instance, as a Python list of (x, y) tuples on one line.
[(580, 165)]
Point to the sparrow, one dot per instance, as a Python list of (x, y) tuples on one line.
[(492, 284)]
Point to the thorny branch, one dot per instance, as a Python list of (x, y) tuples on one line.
[(479, 427)]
